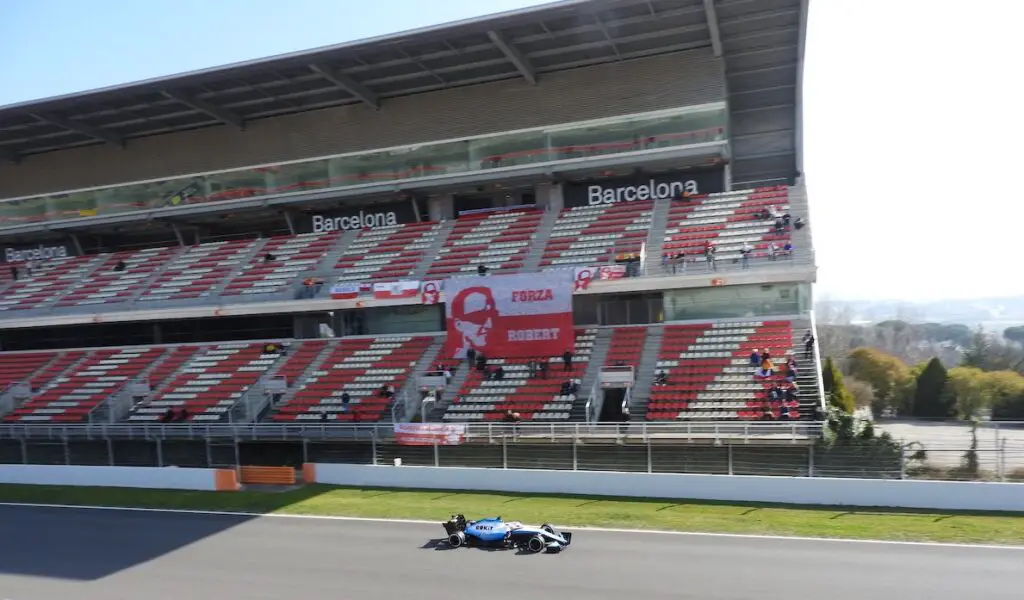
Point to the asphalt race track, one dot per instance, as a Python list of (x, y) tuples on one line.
[(57, 554)]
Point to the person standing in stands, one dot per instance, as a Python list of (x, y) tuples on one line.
[(14, 273), (808, 344), (471, 356), (745, 253), (542, 369), (567, 360)]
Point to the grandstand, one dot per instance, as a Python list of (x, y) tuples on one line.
[(158, 236)]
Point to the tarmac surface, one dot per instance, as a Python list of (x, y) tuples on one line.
[(55, 553)]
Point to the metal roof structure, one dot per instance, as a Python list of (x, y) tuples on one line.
[(761, 41)]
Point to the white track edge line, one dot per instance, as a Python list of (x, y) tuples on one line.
[(751, 536)]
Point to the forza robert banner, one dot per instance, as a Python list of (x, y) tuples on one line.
[(510, 316)]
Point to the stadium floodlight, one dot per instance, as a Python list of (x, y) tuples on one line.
[(221, 114), (82, 128), (514, 56), (348, 84)]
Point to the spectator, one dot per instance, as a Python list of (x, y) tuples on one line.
[(167, 417), (624, 425), (798, 224), (14, 273), (755, 358), (323, 415), (780, 226), (787, 249), (183, 415), (383, 392), (709, 256), (481, 270), (481, 362), (665, 259), (499, 373), (543, 369), (120, 266), (745, 253), (268, 257), (773, 249), (345, 398), (766, 355), (679, 263), (531, 368), (471, 356), (808, 344), (791, 393), (567, 360), (447, 375), (661, 378)]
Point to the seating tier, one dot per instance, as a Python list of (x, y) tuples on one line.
[(386, 253), (292, 256), (591, 235), (709, 376), (197, 271), (534, 398), (359, 367), (498, 240)]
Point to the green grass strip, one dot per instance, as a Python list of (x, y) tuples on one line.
[(835, 522)]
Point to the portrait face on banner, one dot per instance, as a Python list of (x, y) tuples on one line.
[(509, 316)]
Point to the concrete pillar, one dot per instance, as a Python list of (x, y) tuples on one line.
[(441, 207), (549, 196)]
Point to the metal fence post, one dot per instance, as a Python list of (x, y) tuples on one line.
[(903, 462), (238, 453), (159, 452), (728, 448), (373, 448), (575, 457), (810, 461), (209, 453), (504, 453), (437, 455), (67, 451), (650, 461), (24, 451), (305, 450), (1001, 459), (110, 452)]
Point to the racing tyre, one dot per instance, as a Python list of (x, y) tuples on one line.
[(548, 528), (456, 540), (535, 544)]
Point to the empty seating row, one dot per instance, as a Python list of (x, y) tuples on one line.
[(85, 384), (708, 374), (589, 235), (210, 384), (386, 253), (536, 398), (497, 240), (280, 263), (349, 384)]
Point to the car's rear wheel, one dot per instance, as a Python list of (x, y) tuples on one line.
[(456, 539), (535, 544)]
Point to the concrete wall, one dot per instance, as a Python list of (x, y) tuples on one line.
[(655, 83), (938, 495), (167, 478)]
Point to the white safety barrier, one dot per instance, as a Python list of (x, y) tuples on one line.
[(940, 495), (165, 478)]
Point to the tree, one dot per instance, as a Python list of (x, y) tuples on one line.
[(988, 353), (835, 390), (930, 397), (971, 390), (1014, 334), (883, 372), (862, 392)]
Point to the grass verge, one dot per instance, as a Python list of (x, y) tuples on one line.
[(579, 511)]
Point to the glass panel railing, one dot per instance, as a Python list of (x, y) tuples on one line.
[(665, 129)]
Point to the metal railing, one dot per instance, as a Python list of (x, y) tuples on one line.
[(795, 431)]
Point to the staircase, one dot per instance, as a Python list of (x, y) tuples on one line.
[(810, 372), (656, 236), (314, 365), (155, 275), (430, 252), (411, 389), (540, 241), (641, 392), (451, 391), (61, 291), (803, 240), (598, 353), (325, 268)]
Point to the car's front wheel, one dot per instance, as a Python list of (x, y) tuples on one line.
[(535, 544), (548, 528)]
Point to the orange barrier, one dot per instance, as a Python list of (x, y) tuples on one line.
[(309, 473), (226, 480), (268, 475)]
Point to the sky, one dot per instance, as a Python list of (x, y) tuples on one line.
[(911, 118)]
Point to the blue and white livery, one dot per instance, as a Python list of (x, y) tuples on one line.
[(498, 533)]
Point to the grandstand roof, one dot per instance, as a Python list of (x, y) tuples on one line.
[(761, 41)]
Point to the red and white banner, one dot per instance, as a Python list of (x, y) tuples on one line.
[(344, 291), (584, 276), (510, 316), (430, 292), (396, 290), (430, 434)]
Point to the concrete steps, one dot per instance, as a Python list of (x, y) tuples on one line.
[(656, 236), (540, 240), (411, 389), (641, 393), (598, 354), (431, 252)]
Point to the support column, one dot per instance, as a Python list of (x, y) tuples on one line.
[(441, 207)]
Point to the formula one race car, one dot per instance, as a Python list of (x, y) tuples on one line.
[(496, 533)]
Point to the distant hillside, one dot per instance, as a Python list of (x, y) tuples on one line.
[(994, 314)]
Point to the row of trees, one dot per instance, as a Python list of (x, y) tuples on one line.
[(990, 376)]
